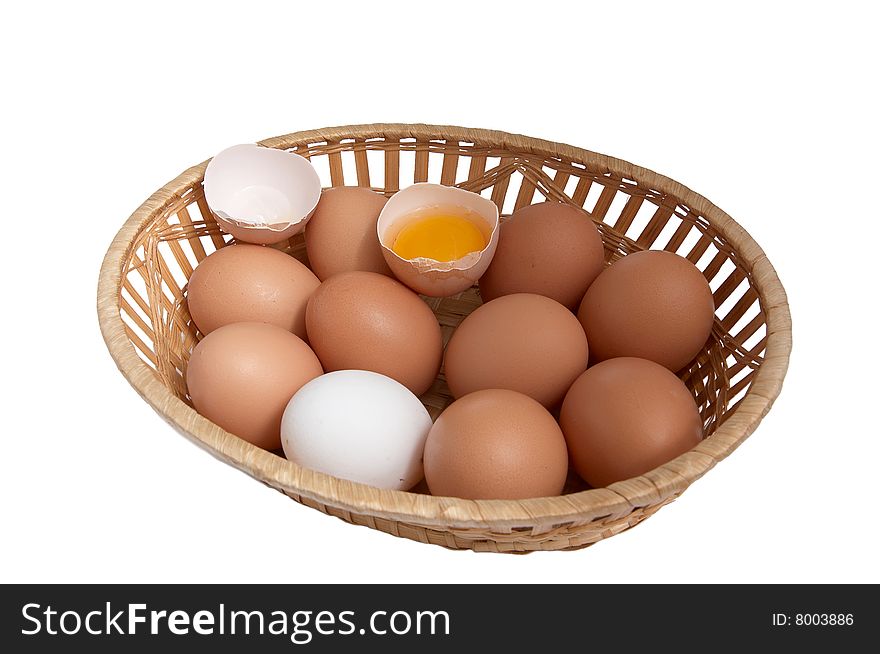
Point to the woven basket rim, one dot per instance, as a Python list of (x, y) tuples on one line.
[(619, 499)]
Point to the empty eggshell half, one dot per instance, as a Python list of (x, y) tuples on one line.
[(261, 195), (429, 276)]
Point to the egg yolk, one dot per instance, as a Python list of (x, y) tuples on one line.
[(443, 237)]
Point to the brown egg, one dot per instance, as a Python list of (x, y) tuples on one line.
[(250, 283), (367, 321), (624, 417), (341, 235), (241, 376), (522, 342), (495, 444), (654, 304), (549, 248)]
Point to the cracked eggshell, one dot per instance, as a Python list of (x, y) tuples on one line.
[(261, 195), (428, 276)]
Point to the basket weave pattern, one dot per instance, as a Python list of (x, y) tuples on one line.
[(145, 322)]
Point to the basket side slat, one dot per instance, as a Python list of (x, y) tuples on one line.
[(362, 166)]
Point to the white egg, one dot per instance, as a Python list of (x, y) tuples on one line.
[(360, 426)]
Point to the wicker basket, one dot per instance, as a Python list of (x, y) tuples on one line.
[(145, 323)]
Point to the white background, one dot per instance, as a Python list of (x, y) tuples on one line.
[(767, 109)]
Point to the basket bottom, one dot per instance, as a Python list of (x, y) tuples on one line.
[(562, 537)]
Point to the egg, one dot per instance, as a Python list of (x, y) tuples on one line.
[(626, 416), (549, 248), (367, 321), (241, 377), (341, 234), (250, 283), (521, 342), (654, 305), (261, 195), (495, 444), (357, 425), (451, 210)]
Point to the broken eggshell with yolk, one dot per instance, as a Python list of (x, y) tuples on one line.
[(429, 276), (261, 195)]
